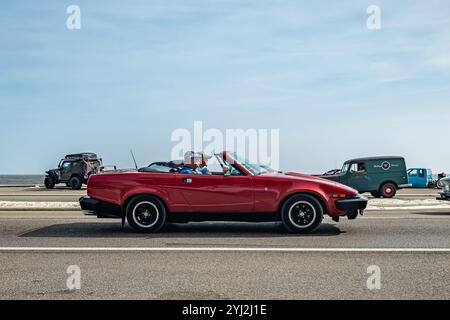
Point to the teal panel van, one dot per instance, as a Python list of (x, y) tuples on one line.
[(381, 176)]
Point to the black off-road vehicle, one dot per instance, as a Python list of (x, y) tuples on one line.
[(74, 170)]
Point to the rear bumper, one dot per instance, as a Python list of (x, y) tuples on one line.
[(101, 209), (89, 205), (357, 203)]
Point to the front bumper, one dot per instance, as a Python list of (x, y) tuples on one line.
[(357, 203), (101, 209), (444, 195)]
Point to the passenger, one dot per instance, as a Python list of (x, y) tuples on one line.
[(195, 163), (189, 163)]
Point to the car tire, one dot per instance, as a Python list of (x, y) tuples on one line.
[(146, 214), (388, 190), (75, 183), (49, 182), (302, 214), (375, 194), (68, 184)]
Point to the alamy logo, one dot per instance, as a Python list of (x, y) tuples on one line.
[(374, 20), (374, 280), (73, 21), (73, 281), (254, 145)]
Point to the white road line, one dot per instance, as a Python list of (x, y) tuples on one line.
[(218, 249), (423, 217), (415, 194)]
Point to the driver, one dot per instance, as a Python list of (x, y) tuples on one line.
[(195, 163), (202, 163), (361, 168)]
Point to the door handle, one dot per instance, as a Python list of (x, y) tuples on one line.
[(186, 180)]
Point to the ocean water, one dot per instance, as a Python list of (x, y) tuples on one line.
[(37, 179), (19, 180)]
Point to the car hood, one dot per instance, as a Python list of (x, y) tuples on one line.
[(316, 179)]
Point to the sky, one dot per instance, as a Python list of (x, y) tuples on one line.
[(138, 70)]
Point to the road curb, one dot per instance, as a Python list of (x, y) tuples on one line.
[(20, 186), (39, 209)]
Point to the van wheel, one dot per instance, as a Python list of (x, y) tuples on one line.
[(388, 190), (49, 182), (302, 214), (375, 194), (146, 214), (75, 183)]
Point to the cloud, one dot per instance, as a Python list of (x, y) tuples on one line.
[(137, 72)]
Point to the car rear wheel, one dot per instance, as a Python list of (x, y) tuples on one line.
[(302, 214), (49, 182), (75, 183), (146, 214), (375, 194), (388, 190)]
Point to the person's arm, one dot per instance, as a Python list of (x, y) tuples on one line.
[(187, 170), (205, 170)]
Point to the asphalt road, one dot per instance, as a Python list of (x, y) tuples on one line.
[(235, 274), (224, 260)]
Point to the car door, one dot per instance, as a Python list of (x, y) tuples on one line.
[(423, 181), (357, 177), (218, 193), (413, 177), (66, 170)]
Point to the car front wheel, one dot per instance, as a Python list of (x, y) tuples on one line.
[(146, 214), (302, 214), (49, 182)]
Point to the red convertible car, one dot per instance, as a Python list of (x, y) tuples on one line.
[(148, 198)]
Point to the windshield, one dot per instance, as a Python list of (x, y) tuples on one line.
[(345, 168), (252, 167)]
